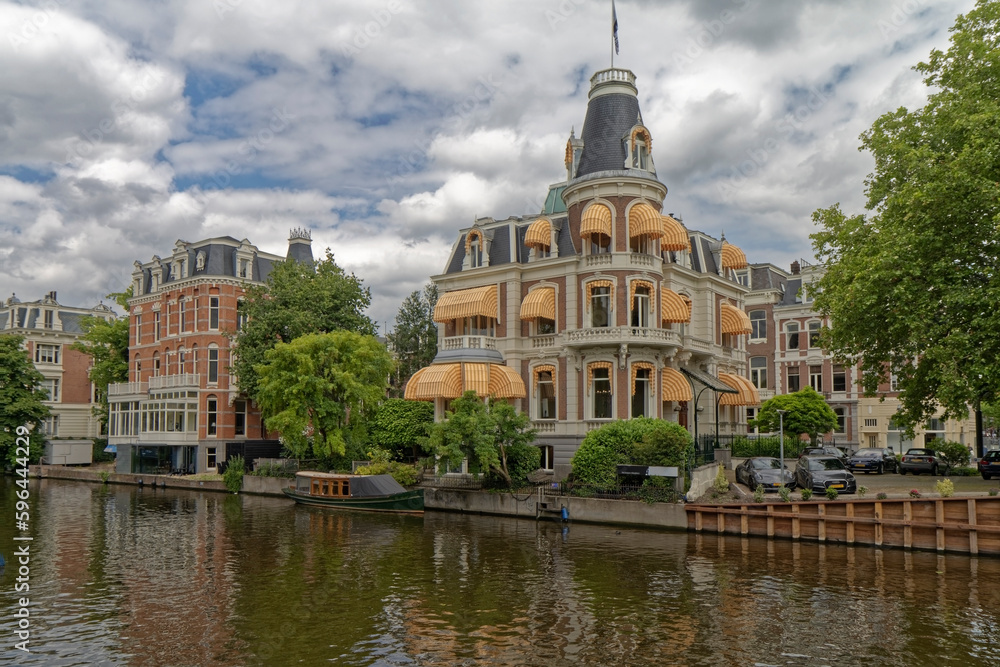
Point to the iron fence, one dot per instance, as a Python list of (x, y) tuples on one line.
[(650, 493)]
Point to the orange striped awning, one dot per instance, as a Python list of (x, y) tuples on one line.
[(539, 302), (468, 239), (641, 366), (435, 381), (733, 257), (591, 367), (452, 380), (466, 303), (545, 368), (596, 220), (675, 237), (734, 320), (644, 220), (599, 283), (636, 284), (675, 386), (539, 234), (674, 307), (747, 392)]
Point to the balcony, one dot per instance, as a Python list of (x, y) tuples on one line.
[(185, 380), (469, 343), (618, 335), (543, 341), (127, 389), (603, 259), (544, 426)]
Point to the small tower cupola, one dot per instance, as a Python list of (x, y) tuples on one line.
[(300, 245)]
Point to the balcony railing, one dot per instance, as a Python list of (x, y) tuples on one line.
[(469, 343), (623, 335), (127, 388), (171, 381), (544, 426), (603, 259), (543, 341), (640, 259)]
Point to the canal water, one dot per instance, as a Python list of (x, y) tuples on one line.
[(126, 576)]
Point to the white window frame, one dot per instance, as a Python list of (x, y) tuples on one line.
[(592, 403), (758, 374), (758, 325)]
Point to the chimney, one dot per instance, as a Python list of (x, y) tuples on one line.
[(795, 268)]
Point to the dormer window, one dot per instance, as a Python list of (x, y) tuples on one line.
[(640, 156), (640, 148), (476, 253)]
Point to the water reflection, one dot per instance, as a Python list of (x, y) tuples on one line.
[(142, 577)]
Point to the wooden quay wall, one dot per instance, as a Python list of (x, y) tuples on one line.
[(962, 524)]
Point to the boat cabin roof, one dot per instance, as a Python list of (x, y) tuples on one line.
[(360, 485)]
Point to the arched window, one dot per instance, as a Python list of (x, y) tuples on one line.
[(601, 388), (156, 364), (545, 392), (792, 331)]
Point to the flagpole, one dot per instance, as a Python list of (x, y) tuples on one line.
[(614, 18)]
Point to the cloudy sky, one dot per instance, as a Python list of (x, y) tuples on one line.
[(385, 126)]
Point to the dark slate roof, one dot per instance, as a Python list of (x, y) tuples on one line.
[(522, 250), (609, 118), (71, 321), (500, 246), (564, 241), (456, 261), (300, 252), (262, 267), (792, 287)]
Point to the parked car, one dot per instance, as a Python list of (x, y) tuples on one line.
[(921, 459), (872, 459), (764, 471), (989, 464), (822, 472), (825, 450)]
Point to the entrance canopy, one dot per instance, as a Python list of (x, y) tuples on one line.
[(452, 380)]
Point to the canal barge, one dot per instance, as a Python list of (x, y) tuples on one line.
[(373, 493)]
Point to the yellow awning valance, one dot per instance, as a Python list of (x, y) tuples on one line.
[(644, 220), (466, 303), (636, 284), (641, 366), (596, 220), (452, 380), (539, 302), (475, 233), (545, 368), (675, 386), (595, 365), (734, 320), (747, 392), (733, 257), (599, 283), (674, 307), (675, 237), (539, 234)]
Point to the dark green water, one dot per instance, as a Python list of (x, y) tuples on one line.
[(121, 576)]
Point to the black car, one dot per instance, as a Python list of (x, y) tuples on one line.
[(825, 450), (820, 473), (921, 459), (989, 464), (764, 471), (872, 459)]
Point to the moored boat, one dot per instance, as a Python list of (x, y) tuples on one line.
[(375, 493)]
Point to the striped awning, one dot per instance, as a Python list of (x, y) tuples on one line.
[(539, 234), (734, 320), (544, 368), (452, 380), (596, 220), (747, 392), (675, 237), (674, 307), (474, 233), (599, 283), (636, 284), (675, 386), (539, 302), (733, 257), (466, 303), (641, 366), (644, 220), (597, 365)]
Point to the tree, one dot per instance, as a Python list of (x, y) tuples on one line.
[(298, 298), (107, 345), (807, 414), (487, 434), (414, 338), (911, 289), (398, 426), (310, 389), (21, 397), (641, 441)]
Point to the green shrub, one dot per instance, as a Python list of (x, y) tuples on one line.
[(658, 490), (99, 455), (807, 494), (955, 454), (105, 476), (862, 490), (522, 460), (945, 487), (831, 493), (994, 492), (624, 442), (233, 476), (881, 496), (784, 494), (758, 494), (745, 447), (273, 470), (382, 464), (964, 472), (721, 484)]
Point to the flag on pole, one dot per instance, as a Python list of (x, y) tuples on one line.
[(614, 24)]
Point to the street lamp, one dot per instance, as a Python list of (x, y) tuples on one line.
[(781, 442)]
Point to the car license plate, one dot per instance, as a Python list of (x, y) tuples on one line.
[(776, 484), (836, 486)]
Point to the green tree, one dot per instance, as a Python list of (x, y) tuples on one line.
[(911, 288), (807, 413), (298, 298), (107, 345), (485, 434), (641, 441), (414, 338), (21, 397), (399, 426), (311, 389)]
